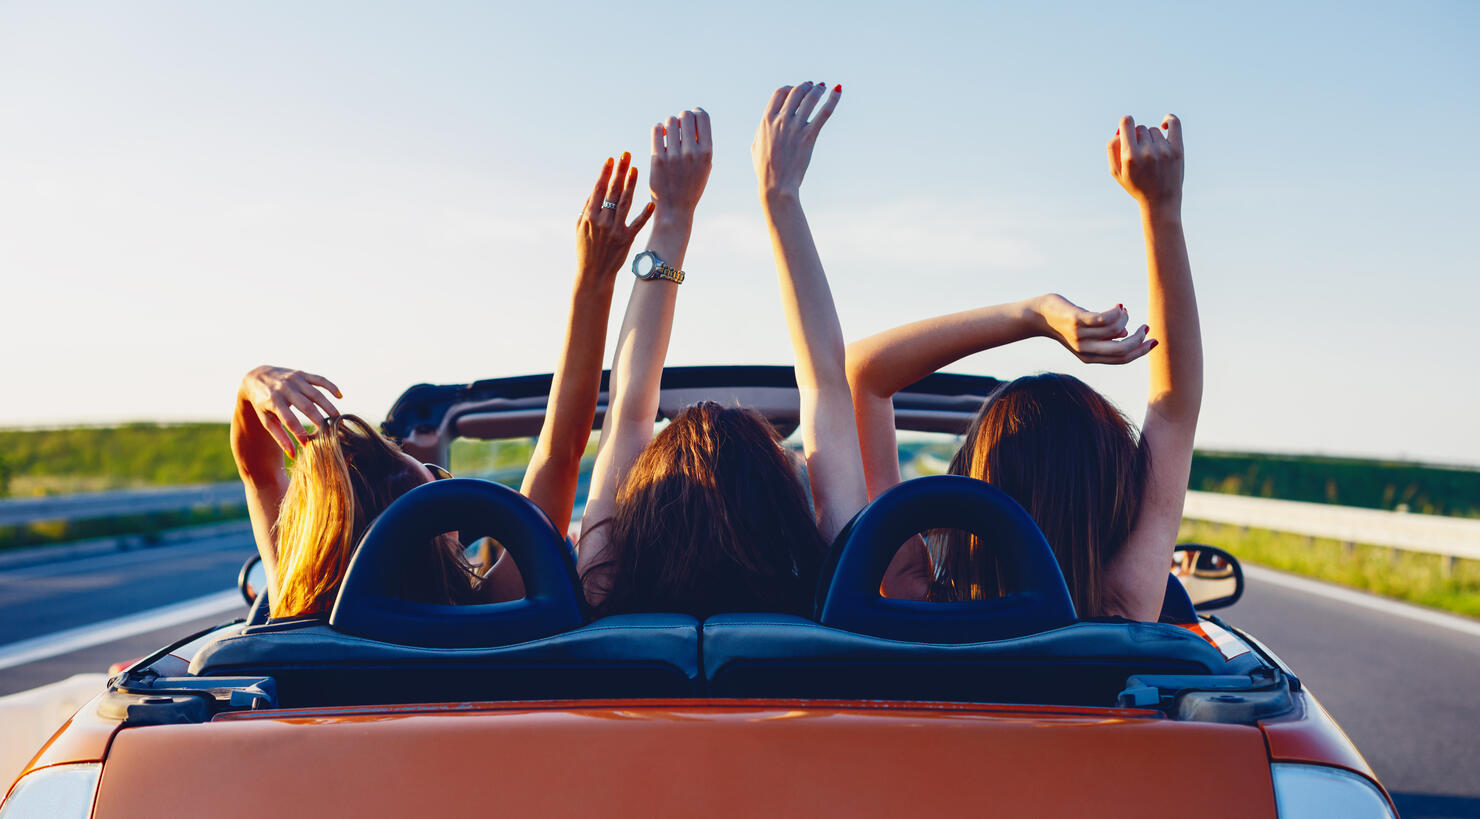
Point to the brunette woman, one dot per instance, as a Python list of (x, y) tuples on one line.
[(711, 516), (1110, 503), (307, 520)]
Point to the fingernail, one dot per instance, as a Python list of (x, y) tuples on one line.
[(1154, 342), (665, 130), (608, 162), (838, 88), (632, 172), (1120, 306), (1117, 132)]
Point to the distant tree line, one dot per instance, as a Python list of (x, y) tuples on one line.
[(1373, 484)]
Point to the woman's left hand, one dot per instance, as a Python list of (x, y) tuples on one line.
[(1094, 338), (783, 143), (603, 236)]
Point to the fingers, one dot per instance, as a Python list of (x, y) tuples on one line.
[(629, 190), (657, 140), (279, 435), (809, 101), (1113, 149), (778, 99), (795, 97), (825, 113), (1117, 351), (617, 181), (304, 386), (704, 132), (672, 132), (284, 412), (773, 108), (594, 200), (1157, 143), (1173, 126), (1127, 138), (641, 220), (1107, 325), (688, 132), (305, 404), (320, 381)]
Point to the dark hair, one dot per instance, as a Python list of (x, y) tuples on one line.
[(711, 518), (345, 475), (1074, 463)]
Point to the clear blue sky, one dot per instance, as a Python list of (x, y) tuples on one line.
[(385, 194)]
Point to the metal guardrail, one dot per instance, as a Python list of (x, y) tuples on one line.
[(1431, 534), (119, 503)]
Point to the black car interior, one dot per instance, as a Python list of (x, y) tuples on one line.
[(1028, 647)]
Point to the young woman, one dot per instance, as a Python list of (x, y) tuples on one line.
[(1109, 504), (308, 520), (711, 516)]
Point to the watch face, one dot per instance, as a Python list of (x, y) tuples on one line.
[(644, 265)]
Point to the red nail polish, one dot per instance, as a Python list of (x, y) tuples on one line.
[(1154, 342), (1117, 132), (626, 156), (608, 162), (838, 88), (665, 130)]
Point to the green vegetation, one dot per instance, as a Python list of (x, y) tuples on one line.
[(1417, 578), (1431, 490), (145, 527), (89, 459)]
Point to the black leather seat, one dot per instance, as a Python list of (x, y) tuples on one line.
[(376, 648), (1025, 647)]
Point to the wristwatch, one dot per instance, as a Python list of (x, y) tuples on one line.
[(649, 265)]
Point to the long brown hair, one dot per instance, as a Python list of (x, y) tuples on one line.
[(711, 518), (344, 476), (1074, 463)]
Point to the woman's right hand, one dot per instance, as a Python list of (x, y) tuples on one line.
[(1094, 338), (683, 149), (270, 394), (1147, 164), (603, 236)]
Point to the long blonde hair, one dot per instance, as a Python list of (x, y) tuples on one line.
[(344, 476)]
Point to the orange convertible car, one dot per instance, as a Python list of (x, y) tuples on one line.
[(873, 707)]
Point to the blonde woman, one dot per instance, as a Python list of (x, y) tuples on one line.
[(307, 520)]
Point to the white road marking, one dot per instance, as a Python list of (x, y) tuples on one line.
[(1369, 601), (74, 639)]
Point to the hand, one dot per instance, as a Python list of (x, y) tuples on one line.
[(783, 143), (603, 236), (683, 148), (1094, 338), (1147, 164), (274, 392)]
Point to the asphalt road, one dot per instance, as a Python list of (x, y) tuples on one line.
[(1403, 690)]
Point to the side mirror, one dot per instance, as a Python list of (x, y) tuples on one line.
[(253, 579), (1212, 576)]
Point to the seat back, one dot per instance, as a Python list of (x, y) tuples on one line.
[(1087, 663), (637, 655), (1025, 647), (848, 596), (376, 648)]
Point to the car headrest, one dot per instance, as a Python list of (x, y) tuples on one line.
[(368, 605), (848, 596)]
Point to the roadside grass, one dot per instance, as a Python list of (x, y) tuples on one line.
[(1403, 575), (146, 527)]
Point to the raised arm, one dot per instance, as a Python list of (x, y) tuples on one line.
[(883, 364), (603, 238), (1149, 166), (263, 429), (781, 151), (681, 152)]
